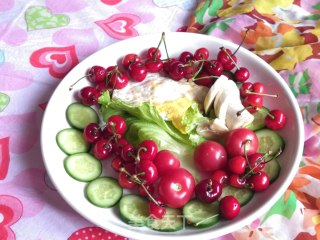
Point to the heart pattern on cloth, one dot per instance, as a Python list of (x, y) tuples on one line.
[(84, 40), (12, 34), (22, 129), (39, 17), (4, 157), (59, 60), (65, 6), (2, 59), (11, 210), (120, 26), (92, 233), (183, 4), (6, 5), (111, 2), (14, 79), (4, 101)]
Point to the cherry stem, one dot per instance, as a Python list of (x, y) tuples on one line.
[(245, 154), (198, 71), (138, 153), (268, 113), (165, 45), (245, 35), (261, 94), (72, 85), (136, 179), (246, 108), (200, 78), (203, 220), (230, 56)]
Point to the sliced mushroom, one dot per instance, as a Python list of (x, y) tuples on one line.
[(208, 101), (212, 129), (237, 116), (227, 94)]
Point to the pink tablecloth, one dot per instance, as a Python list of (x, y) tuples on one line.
[(69, 31)]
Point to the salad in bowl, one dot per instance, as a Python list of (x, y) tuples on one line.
[(194, 141)]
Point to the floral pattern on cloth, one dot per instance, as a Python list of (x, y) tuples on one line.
[(41, 41), (286, 34)]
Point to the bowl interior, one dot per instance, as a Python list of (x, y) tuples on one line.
[(73, 192)]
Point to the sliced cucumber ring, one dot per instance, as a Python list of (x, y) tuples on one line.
[(83, 167), (172, 221), (104, 192), (71, 141), (80, 115), (200, 214), (270, 141), (134, 210)]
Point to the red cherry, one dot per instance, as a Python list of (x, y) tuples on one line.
[(153, 66), (253, 102), (97, 74), (242, 74), (142, 192), (204, 79), (154, 53), (165, 161), (118, 80), (229, 207), (275, 119), (92, 133), (259, 181), (213, 67), (128, 153), (256, 162), (220, 176), (189, 70), (248, 88), (128, 59), (137, 71), (208, 191), (225, 60), (102, 149), (147, 172), (89, 95), (147, 150), (167, 64), (117, 146), (176, 71), (117, 163), (236, 181), (116, 125), (201, 54), (237, 164), (186, 57), (125, 181), (156, 211)]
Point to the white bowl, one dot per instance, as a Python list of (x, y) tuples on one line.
[(73, 192)]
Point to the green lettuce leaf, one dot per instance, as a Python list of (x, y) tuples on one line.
[(140, 130), (192, 118), (149, 113)]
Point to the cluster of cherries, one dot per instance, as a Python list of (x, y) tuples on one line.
[(141, 167), (136, 167)]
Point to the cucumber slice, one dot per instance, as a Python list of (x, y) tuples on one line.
[(272, 169), (259, 119), (104, 192), (134, 210), (71, 141), (83, 167), (172, 221), (270, 141), (80, 115), (200, 214), (243, 195)]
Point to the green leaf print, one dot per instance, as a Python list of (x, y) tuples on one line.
[(222, 25), (4, 101), (303, 83), (318, 107), (303, 86), (214, 7), (316, 6), (283, 207), (313, 17), (199, 14)]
